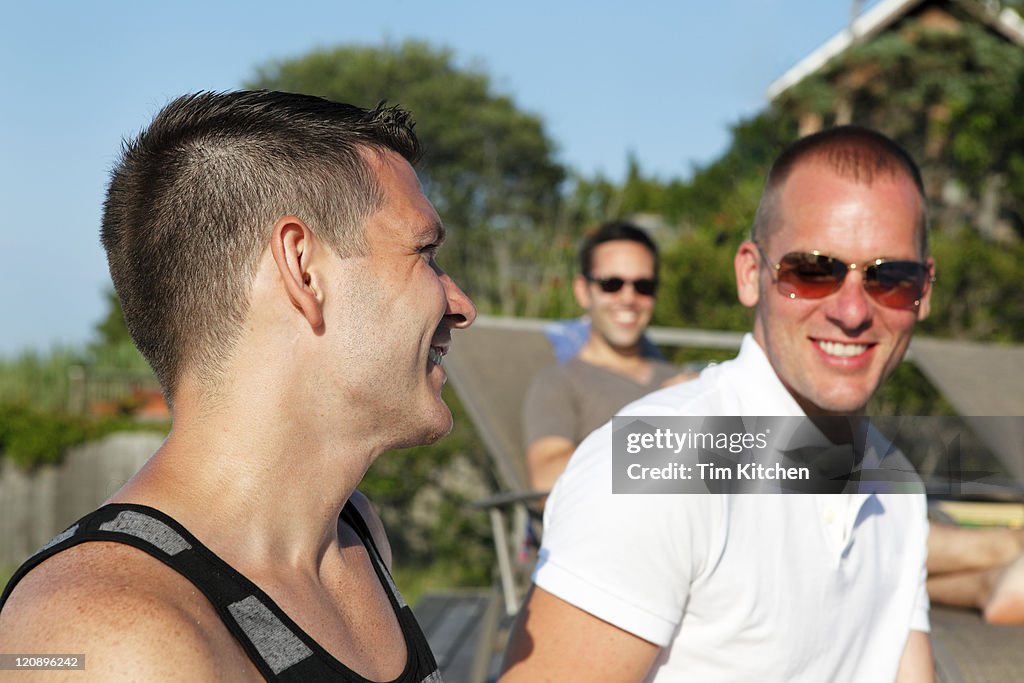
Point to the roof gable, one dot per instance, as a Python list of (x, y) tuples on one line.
[(884, 15)]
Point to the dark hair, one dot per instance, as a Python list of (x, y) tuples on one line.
[(609, 232), (852, 152), (194, 197)]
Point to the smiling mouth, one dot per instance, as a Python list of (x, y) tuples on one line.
[(840, 349), (625, 317), (436, 355)]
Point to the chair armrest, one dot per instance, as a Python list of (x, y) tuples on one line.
[(509, 499)]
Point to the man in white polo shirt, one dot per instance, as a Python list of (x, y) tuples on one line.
[(809, 587)]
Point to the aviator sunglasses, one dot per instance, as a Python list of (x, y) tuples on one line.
[(644, 286), (812, 275)]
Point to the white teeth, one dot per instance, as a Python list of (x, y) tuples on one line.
[(435, 356), (842, 350), (624, 317)]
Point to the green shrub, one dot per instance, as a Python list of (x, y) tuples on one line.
[(31, 437)]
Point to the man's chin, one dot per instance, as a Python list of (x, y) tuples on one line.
[(625, 344), (432, 429), (444, 430), (852, 404)]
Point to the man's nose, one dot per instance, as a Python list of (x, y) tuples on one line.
[(460, 307), (850, 307), (628, 292)]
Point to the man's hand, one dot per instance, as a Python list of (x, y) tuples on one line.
[(554, 641)]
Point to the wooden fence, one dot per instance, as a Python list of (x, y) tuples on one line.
[(37, 504)]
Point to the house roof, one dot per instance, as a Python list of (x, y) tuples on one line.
[(1006, 22)]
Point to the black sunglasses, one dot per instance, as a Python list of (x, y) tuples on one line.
[(645, 286), (812, 275)]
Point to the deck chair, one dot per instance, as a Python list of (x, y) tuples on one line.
[(979, 380), (493, 362), (491, 366)]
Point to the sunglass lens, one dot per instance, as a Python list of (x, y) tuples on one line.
[(897, 284), (610, 284), (809, 276), (645, 287)]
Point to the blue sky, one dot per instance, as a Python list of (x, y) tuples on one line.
[(663, 80)]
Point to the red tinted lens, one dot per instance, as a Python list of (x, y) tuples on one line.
[(809, 276), (896, 284)]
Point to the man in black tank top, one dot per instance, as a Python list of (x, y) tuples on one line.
[(275, 260)]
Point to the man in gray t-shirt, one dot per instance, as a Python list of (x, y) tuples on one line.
[(574, 399), (616, 287)]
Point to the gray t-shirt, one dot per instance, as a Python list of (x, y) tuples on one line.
[(574, 399)]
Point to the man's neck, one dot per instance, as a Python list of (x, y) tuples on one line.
[(257, 481), (629, 362)]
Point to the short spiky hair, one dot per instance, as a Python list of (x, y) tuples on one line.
[(194, 197), (609, 232), (853, 152)]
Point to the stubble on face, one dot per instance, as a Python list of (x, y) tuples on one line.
[(399, 302)]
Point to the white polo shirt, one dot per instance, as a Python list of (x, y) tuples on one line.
[(783, 587)]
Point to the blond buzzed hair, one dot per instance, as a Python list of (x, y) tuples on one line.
[(852, 152)]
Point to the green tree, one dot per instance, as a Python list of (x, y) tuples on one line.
[(977, 294), (698, 285), (488, 166)]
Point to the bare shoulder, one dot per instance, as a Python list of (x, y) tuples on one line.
[(373, 523), (131, 616)]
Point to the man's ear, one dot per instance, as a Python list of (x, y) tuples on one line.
[(580, 289), (926, 299), (748, 274), (293, 246)]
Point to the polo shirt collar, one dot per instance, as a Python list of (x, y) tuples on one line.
[(763, 393), (760, 390)]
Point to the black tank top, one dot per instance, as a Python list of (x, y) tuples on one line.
[(276, 645)]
